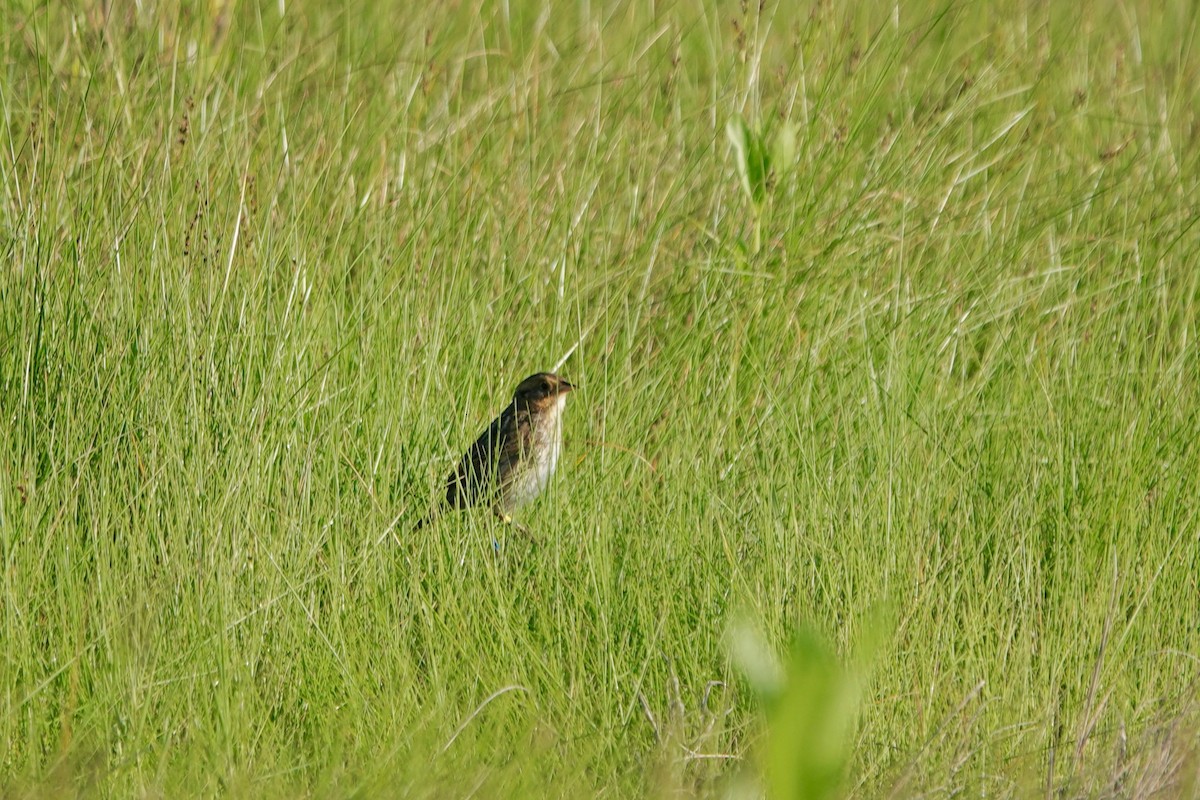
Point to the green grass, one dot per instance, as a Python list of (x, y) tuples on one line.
[(266, 269)]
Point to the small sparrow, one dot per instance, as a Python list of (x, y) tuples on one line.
[(512, 461)]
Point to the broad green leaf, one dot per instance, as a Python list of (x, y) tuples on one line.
[(759, 168), (783, 148), (810, 726), (740, 137), (810, 702)]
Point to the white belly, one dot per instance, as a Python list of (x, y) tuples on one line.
[(532, 481)]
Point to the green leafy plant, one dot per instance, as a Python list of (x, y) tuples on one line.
[(810, 703), (761, 157)]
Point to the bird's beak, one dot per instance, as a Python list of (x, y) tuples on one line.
[(564, 387)]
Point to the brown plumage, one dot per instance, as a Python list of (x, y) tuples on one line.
[(512, 461)]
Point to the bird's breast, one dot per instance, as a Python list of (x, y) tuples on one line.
[(548, 436), (540, 458)]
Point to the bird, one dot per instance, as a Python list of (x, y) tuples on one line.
[(512, 461)]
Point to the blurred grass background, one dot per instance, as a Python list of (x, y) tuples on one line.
[(266, 269)]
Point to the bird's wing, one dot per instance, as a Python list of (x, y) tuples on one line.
[(491, 457), (517, 446)]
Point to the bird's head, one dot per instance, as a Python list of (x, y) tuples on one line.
[(542, 391)]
